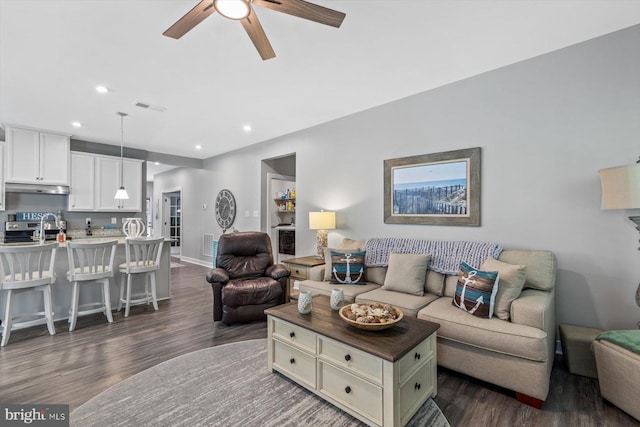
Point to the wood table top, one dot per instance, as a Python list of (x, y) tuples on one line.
[(307, 261), (388, 344)]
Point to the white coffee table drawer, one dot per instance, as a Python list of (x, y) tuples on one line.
[(416, 390), (354, 393), (295, 363), (294, 335), (352, 360), (415, 357)]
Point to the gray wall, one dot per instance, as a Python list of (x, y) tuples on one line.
[(546, 126)]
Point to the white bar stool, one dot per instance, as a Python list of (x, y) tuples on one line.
[(143, 258), (23, 269), (90, 263)]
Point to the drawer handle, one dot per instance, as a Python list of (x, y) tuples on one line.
[(292, 334), (292, 360), (347, 389), (417, 356), (417, 386), (347, 357)]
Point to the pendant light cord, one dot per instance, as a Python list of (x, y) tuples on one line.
[(121, 149)]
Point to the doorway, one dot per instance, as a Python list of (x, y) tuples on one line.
[(172, 219)]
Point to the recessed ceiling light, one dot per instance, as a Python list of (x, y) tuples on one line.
[(157, 163), (198, 147), (246, 128), (76, 124), (101, 89)]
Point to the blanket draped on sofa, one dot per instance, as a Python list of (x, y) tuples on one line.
[(446, 256)]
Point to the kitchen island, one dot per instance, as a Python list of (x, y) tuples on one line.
[(30, 302)]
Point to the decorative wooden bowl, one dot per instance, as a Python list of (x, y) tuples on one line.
[(395, 311)]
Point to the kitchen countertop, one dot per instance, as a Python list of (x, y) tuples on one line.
[(93, 239)]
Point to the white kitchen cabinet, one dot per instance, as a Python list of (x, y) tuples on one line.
[(35, 157), (108, 173), (104, 174), (2, 176), (82, 190)]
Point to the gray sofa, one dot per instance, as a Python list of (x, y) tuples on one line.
[(516, 354)]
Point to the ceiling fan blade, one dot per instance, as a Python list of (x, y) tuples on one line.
[(305, 10), (252, 25), (191, 19)]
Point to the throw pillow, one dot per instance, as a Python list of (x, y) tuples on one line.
[(351, 244), (328, 266), (512, 279), (476, 291), (347, 267), (406, 273)]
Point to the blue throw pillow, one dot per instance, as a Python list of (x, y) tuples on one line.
[(347, 268), (476, 291)]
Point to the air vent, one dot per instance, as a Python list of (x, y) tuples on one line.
[(146, 106)]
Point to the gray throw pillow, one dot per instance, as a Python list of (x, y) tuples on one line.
[(512, 279), (406, 273)]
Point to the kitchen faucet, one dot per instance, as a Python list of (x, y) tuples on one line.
[(44, 216)]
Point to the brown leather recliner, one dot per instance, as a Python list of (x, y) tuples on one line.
[(245, 281)]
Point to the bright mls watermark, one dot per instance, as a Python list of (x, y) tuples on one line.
[(34, 415)]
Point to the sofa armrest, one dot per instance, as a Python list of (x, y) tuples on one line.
[(218, 275), (536, 309), (316, 273), (277, 271)]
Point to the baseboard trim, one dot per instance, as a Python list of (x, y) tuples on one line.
[(195, 261)]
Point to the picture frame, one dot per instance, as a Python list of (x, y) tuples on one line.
[(433, 189)]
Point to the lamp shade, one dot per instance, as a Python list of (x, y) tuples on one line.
[(621, 187), (322, 220)]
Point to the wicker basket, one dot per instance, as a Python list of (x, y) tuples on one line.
[(371, 326)]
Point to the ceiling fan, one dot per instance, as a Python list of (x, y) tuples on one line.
[(242, 10)]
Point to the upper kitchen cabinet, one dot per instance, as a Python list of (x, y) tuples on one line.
[(1, 176), (82, 190), (34, 157), (95, 180)]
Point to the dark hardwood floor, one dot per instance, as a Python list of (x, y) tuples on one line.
[(72, 368)]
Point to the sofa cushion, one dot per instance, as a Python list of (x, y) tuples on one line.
[(450, 283), (347, 268), (252, 291), (325, 288), (435, 283), (476, 291), (375, 274), (406, 273), (409, 304), (328, 264), (541, 267), (510, 285), (488, 334)]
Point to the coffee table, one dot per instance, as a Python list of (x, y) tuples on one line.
[(380, 377)]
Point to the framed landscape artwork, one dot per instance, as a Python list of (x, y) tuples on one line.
[(438, 189)]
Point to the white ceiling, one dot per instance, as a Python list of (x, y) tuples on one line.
[(212, 82)]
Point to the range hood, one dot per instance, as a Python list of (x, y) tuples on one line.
[(36, 188)]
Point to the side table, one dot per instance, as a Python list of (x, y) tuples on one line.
[(299, 268)]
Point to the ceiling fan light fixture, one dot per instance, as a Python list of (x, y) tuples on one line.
[(233, 9)]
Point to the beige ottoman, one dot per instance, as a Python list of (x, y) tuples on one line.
[(619, 376), (576, 349)]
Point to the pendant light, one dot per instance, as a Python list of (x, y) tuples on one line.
[(121, 194)]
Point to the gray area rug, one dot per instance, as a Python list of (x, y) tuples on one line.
[(228, 385)]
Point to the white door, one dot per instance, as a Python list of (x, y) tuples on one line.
[(172, 218)]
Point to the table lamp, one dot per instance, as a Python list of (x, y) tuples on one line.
[(322, 221), (621, 190)]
